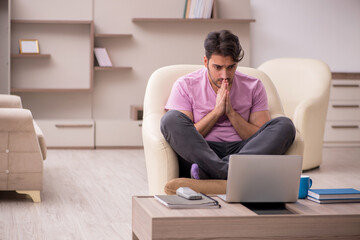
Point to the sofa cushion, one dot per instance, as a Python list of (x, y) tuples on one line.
[(207, 186)]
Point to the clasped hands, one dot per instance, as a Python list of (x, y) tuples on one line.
[(223, 105)]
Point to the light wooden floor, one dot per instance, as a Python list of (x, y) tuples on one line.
[(87, 193)]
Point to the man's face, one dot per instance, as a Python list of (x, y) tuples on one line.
[(220, 68)]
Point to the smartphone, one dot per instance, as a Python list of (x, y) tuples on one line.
[(188, 193)]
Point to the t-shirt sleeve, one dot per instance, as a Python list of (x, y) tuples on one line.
[(260, 101), (179, 98)]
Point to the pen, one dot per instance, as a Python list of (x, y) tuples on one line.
[(216, 202)]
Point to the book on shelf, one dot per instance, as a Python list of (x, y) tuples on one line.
[(334, 193), (102, 57), (175, 201), (186, 8), (198, 8)]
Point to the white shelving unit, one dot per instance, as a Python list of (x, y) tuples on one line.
[(343, 119), (59, 80), (70, 45), (81, 105)]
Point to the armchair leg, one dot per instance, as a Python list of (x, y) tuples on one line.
[(35, 195)]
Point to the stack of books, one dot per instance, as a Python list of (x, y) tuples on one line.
[(175, 201), (335, 195), (198, 8)]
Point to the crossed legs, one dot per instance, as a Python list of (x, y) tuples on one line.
[(274, 137)]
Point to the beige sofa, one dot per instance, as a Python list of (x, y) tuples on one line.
[(22, 149), (161, 160)]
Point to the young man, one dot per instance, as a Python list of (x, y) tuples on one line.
[(217, 111)]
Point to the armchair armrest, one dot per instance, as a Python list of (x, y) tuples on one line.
[(297, 148), (308, 111), (309, 118), (161, 160)]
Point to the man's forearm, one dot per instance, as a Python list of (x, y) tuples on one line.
[(243, 128), (205, 125)]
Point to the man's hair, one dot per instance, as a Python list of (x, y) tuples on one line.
[(223, 43)]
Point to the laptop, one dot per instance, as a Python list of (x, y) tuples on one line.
[(263, 178)]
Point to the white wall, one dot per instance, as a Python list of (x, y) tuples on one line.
[(52, 9), (324, 29)]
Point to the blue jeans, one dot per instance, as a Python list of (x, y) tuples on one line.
[(273, 138)]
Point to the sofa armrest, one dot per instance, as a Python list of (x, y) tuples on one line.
[(41, 140), (18, 124), (16, 120), (10, 101)]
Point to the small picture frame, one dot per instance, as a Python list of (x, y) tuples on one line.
[(29, 46)]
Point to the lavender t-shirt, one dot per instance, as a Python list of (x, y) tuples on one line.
[(193, 92)]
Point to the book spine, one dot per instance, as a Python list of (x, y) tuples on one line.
[(192, 8), (188, 7), (185, 8), (102, 57), (347, 200), (333, 196), (201, 9), (210, 9)]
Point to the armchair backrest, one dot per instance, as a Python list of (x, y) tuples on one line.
[(161, 81), (159, 86), (297, 80)]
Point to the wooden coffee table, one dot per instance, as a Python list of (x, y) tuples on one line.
[(152, 220)]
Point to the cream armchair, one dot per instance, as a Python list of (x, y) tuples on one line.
[(304, 88), (22, 149), (161, 160)]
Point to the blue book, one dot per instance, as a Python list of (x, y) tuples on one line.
[(334, 193)]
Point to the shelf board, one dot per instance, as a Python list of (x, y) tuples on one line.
[(51, 21), (97, 68), (192, 20), (112, 35), (34, 90), (345, 75), (30, 55)]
